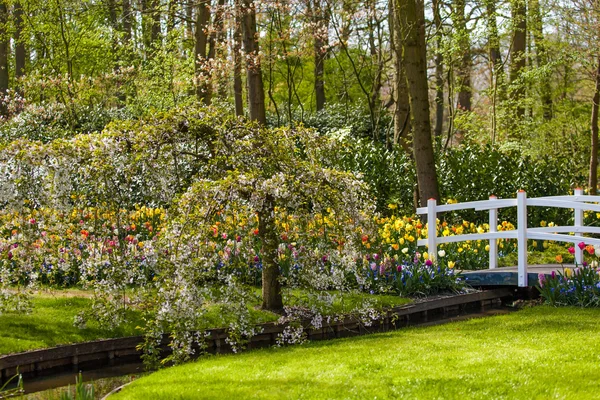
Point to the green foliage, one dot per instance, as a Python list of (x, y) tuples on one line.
[(390, 174), (6, 391), (472, 172), (468, 172), (82, 391)]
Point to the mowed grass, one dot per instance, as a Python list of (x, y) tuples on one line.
[(51, 321), (51, 324), (537, 353)]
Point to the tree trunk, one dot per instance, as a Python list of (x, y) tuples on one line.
[(189, 18), (171, 14), (156, 29), (412, 29), (217, 36), (20, 51), (376, 50), (256, 94), (203, 92), (271, 287), (127, 20), (4, 55), (463, 70), (541, 58), (494, 42), (146, 26), (401, 99), (320, 19), (114, 24), (439, 71), (112, 16), (593, 182), (237, 67), (518, 56), (497, 78)]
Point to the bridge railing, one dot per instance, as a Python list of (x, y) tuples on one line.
[(577, 202)]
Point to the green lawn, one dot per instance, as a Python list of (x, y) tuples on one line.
[(537, 353), (51, 322)]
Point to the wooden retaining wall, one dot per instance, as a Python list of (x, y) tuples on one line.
[(103, 353)]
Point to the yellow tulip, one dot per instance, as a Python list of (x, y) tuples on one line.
[(568, 272)]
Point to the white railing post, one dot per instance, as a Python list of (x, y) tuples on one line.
[(493, 222), (578, 223), (522, 236), (432, 229)]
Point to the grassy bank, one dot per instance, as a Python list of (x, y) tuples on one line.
[(538, 353), (51, 321)]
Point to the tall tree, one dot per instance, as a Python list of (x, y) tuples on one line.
[(4, 54), (155, 30), (541, 57), (593, 175), (411, 17), (20, 50), (319, 18), (496, 65), (216, 36), (237, 63), (518, 55), (463, 67), (127, 22), (151, 29), (439, 69), (254, 81), (203, 89), (171, 16), (189, 21), (400, 93)]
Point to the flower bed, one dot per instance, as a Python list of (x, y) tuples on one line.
[(579, 286)]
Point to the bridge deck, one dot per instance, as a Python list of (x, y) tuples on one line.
[(508, 276)]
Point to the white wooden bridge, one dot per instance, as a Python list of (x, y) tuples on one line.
[(578, 202)]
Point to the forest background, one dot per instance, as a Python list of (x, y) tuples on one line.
[(499, 95)]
